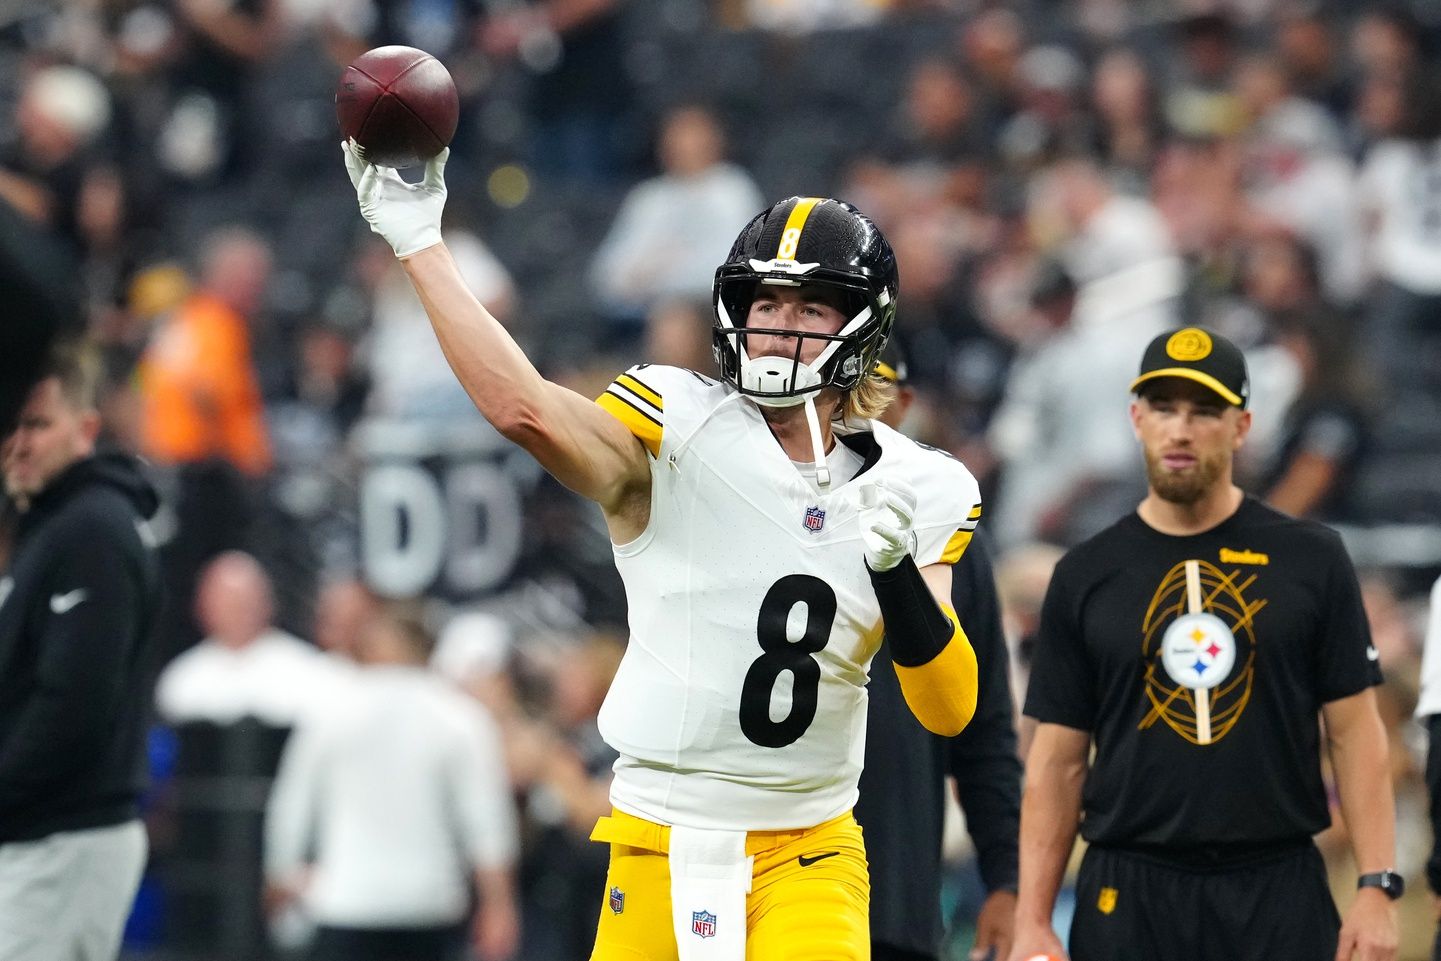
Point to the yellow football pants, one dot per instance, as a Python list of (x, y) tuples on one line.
[(811, 910)]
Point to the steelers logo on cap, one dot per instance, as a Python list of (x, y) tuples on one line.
[(1191, 344), (1198, 650)]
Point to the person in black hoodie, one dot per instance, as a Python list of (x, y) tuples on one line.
[(903, 784), (77, 607)]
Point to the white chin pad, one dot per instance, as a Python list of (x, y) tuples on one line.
[(773, 375)]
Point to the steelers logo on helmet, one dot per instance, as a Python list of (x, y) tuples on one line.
[(799, 242)]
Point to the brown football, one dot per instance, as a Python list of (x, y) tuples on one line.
[(399, 103)]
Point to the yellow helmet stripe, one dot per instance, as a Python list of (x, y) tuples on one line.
[(795, 223)]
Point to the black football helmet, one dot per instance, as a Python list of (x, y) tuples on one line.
[(803, 241)]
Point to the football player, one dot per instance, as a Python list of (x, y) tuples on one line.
[(767, 532)]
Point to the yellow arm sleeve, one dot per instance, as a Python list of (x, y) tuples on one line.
[(941, 693)]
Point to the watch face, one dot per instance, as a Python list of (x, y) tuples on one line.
[(1394, 885), (1388, 881)]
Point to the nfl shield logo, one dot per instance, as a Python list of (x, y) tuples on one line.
[(702, 923), (815, 519), (617, 900)]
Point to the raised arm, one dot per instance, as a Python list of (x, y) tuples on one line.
[(935, 663), (584, 447)]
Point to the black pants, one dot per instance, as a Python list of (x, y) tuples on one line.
[(388, 944), (1132, 907)]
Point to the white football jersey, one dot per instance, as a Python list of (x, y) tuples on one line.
[(741, 701)]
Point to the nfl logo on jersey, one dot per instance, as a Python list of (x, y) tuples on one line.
[(617, 900), (815, 519), (702, 923)]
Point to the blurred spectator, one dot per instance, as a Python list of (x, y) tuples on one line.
[(1401, 194), (410, 376), (938, 124), (388, 807), (201, 415), (1386, 39), (1381, 109), (211, 53), (580, 93), (991, 45), (1117, 248), (1297, 176), (199, 386), (343, 610), (671, 229), (1307, 48), (245, 667), (61, 112), (1127, 117), (326, 381), (474, 652), (1049, 123), (1324, 434), (1198, 100)]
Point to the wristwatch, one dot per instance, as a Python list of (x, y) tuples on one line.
[(1390, 883)]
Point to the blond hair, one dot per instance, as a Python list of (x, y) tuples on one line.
[(76, 364), (868, 399)]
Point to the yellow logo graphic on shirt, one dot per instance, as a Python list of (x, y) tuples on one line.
[(1107, 901), (1198, 644), (1189, 344), (1229, 556)]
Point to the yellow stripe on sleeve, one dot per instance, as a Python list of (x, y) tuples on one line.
[(956, 546), (642, 425), (641, 390)]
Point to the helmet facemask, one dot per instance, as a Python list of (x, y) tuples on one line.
[(784, 380)]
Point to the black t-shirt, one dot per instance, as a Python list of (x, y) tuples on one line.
[(1279, 603)]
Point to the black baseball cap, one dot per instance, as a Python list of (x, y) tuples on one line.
[(1197, 354)]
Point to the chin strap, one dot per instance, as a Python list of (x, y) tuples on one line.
[(823, 473)]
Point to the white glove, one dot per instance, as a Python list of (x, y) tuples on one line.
[(888, 508), (406, 215)]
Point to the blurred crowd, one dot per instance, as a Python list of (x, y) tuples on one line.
[(1061, 179)]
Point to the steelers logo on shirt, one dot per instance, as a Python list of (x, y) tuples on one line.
[(1198, 650), (1198, 643)]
